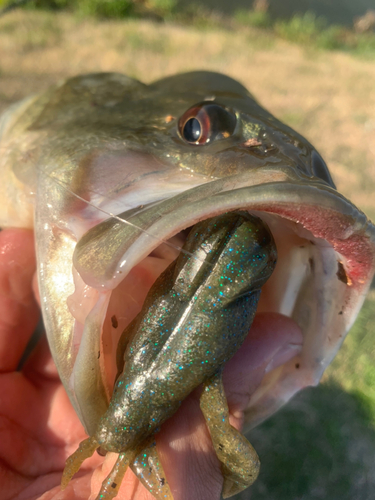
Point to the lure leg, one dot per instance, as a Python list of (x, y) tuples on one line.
[(239, 461), (149, 470), (111, 484), (85, 450)]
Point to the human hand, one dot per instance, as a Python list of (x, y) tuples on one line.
[(39, 428)]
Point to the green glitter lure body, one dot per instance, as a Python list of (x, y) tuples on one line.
[(195, 317)]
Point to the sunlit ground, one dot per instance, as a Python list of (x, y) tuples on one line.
[(322, 445)]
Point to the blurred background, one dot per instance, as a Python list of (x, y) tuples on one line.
[(312, 64)]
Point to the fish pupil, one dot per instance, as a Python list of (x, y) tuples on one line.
[(192, 130)]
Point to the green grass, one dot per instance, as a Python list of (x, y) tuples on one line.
[(101, 8), (320, 446), (105, 9), (303, 29), (257, 19), (34, 34), (312, 31), (358, 355), (93, 8), (307, 30), (147, 42)]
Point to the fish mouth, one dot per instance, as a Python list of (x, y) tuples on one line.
[(325, 247)]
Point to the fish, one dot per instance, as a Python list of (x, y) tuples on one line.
[(113, 175)]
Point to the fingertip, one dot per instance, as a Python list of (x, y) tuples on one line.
[(185, 449), (19, 312)]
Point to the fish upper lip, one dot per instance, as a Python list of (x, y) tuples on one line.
[(284, 193)]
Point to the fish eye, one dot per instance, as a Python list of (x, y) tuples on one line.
[(206, 122)]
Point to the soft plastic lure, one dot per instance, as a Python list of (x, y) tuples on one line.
[(194, 318)]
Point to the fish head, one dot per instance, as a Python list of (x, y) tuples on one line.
[(121, 170)]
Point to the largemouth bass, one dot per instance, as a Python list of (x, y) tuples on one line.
[(111, 173)]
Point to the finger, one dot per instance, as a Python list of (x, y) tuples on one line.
[(131, 488), (18, 310), (187, 454), (40, 365), (189, 461)]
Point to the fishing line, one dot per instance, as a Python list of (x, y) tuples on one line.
[(124, 221)]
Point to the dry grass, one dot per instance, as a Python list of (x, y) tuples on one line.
[(328, 97)]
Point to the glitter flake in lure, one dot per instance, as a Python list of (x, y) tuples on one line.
[(111, 172)]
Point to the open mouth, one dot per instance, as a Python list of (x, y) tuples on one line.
[(325, 257)]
